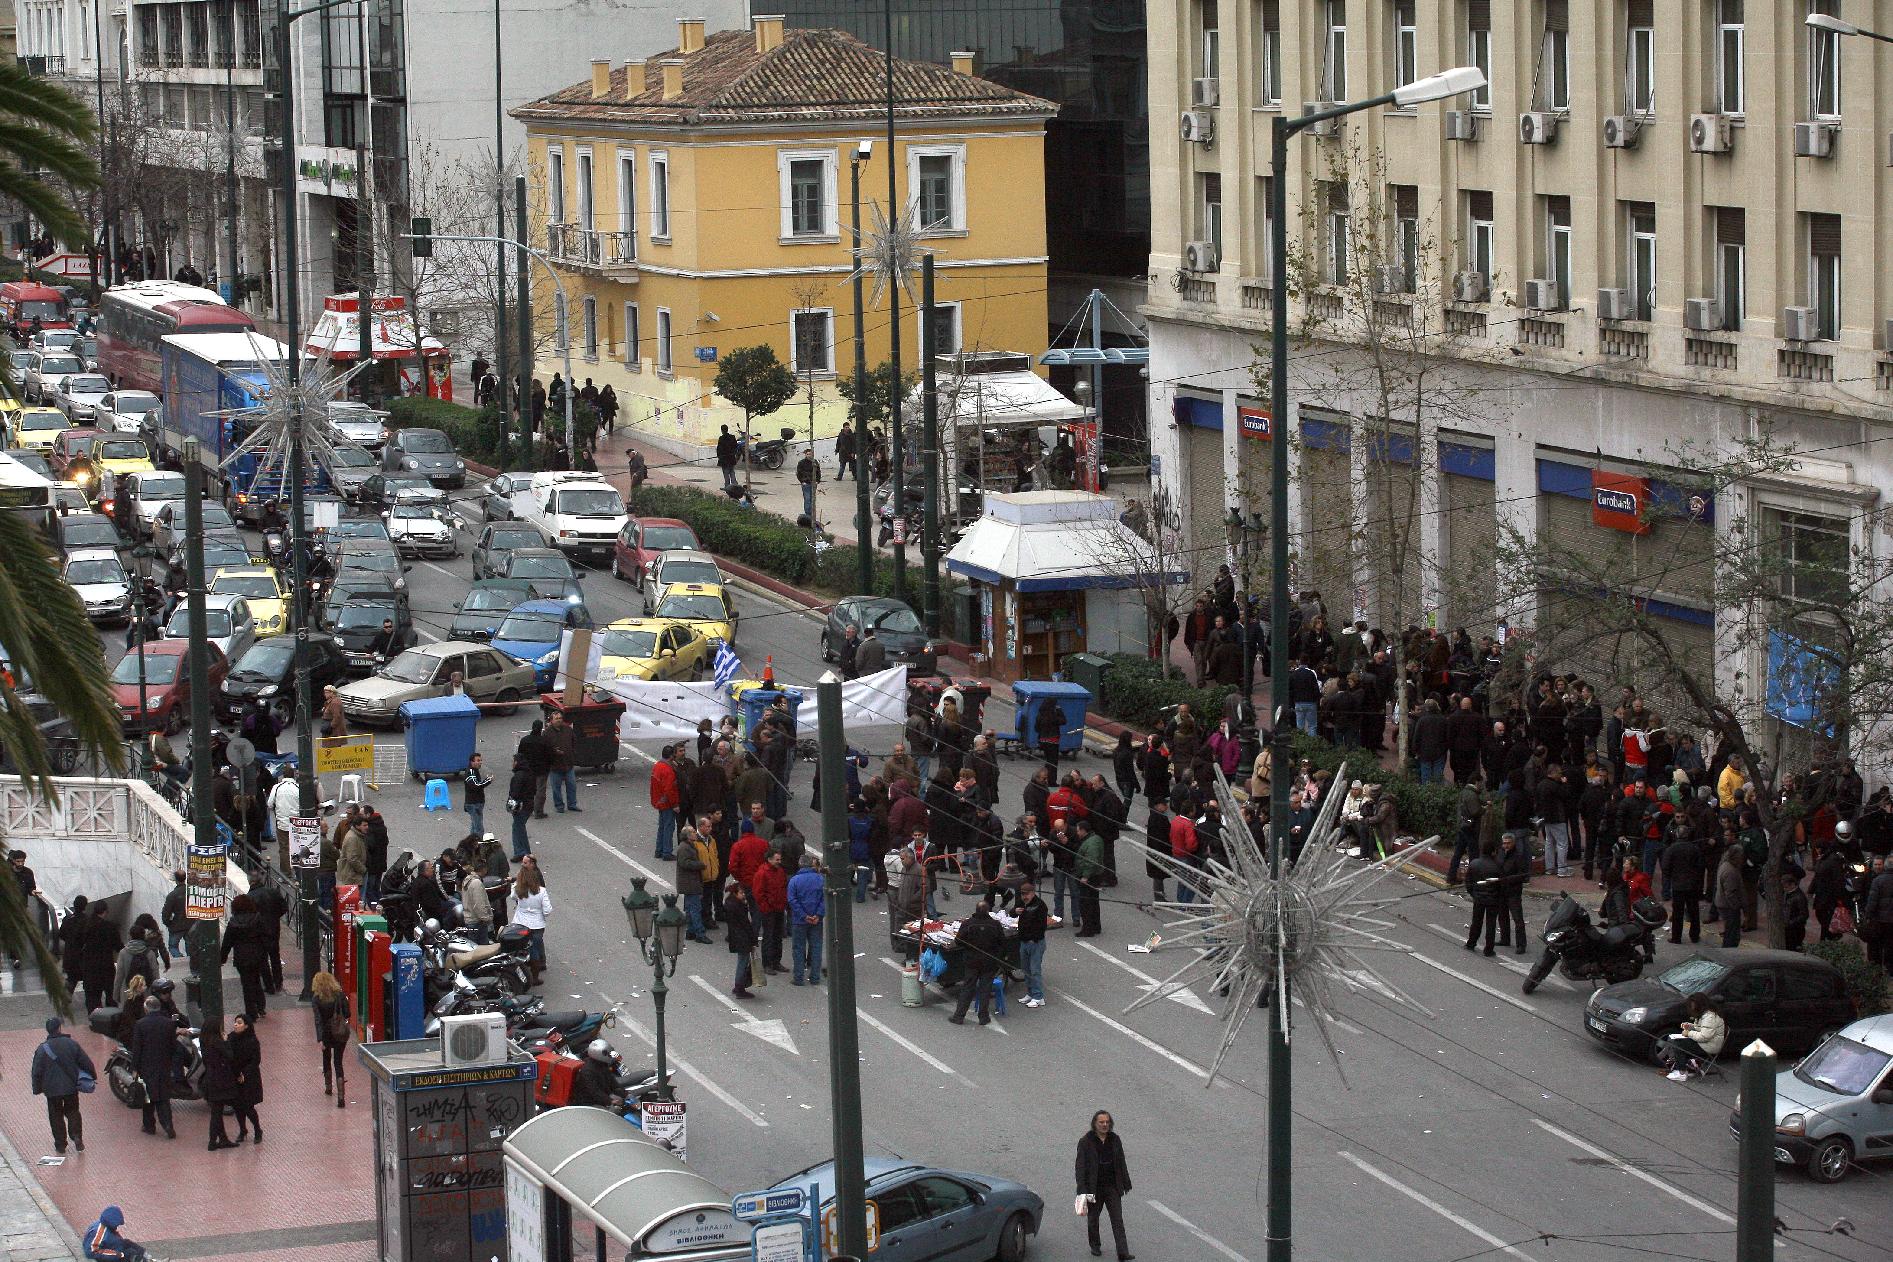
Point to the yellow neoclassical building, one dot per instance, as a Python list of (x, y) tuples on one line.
[(699, 201)]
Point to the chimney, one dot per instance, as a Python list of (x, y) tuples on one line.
[(962, 62), (601, 79), (768, 32), (673, 68), (689, 35), (634, 79)]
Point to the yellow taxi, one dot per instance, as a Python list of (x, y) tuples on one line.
[(704, 605), (653, 648), (36, 428), (265, 592), (113, 454), (9, 412)]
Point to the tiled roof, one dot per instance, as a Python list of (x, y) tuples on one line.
[(812, 74)]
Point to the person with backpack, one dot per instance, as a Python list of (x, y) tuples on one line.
[(62, 1072)]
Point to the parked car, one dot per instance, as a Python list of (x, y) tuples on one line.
[(167, 684), (1787, 999), (546, 569), (1834, 1110), (80, 394), (103, 585), (358, 423), (486, 605), (267, 672), (427, 670), (677, 566), (498, 540), (653, 648), (894, 623), (45, 374), (427, 452), (228, 624), (531, 634), (124, 410), (496, 495), (643, 538), (929, 1213)]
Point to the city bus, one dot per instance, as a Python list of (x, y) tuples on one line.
[(135, 319), (24, 491)]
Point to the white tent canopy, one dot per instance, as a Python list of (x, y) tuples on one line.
[(391, 329), (1056, 541)]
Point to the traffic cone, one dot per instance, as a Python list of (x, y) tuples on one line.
[(769, 671)]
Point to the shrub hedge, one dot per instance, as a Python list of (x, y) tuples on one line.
[(475, 434), (1136, 692), (1866, 982), (765, 541)]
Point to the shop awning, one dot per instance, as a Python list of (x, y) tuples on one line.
[(1050, 541), (1018, 399)]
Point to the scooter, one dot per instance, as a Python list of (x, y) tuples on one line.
[(1582, 952), (769, 453), (463, 997), (508, 959), (187, 1077)]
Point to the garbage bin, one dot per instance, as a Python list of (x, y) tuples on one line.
[(440, 734), (594, 724), (1072, 701), (1087, 671), (751, 702)]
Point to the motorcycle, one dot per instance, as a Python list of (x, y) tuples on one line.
[(508, 959), (769, 453), (464, 997), (1582, 952), (187, 1078)]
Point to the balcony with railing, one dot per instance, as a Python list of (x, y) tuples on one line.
[(609, 253)]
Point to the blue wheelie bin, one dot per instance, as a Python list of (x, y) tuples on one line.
[(751, 702), (440, 735), (1072, 701)]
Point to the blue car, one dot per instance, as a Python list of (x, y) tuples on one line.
[(532, 631), (927, 1212)]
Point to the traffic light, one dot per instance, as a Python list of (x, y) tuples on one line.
[(423, 237)]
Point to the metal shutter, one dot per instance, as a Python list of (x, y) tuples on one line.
[(1824, 234), (1469, 535), (1731, 225), (1391, 540), (1325, 545), (1207, 533)]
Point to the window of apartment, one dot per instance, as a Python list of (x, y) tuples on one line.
[(585, 205), (1640, 57), (664, 361), (562, 324), (628, 203), (1479, 48), (938, 177), (1824, 273), (1640, 221), (1406, 43), (1270, 54), (589, 315), (1479, 236), (1731, 39), (946, 328), (1406, 235), (1558, 247), (1731, 265), (1335, 225), (808, 193), (1334, 51), (1815, 555), (555, 185), (1209, 47), (1209, 212), (812, 341), (1553, 88), (633, 338), (1824, 63), (660, 199)]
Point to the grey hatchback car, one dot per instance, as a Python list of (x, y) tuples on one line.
[(926, 1212), (1834, 1110)]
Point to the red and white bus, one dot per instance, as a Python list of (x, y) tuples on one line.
[(24, 301), (134, 319)]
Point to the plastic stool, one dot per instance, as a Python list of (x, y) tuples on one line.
[(352, 790), (437, 798), (999, 996)]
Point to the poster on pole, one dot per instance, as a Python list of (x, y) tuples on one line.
[(305, 841), (663, 1121), (782, 1241), (344, 753), (204, 889)]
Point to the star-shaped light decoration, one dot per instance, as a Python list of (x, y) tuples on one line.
[(891, 254), (267, 421), (1297, 939)]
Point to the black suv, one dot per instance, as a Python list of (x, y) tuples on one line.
[(357, 623), (267, 671)]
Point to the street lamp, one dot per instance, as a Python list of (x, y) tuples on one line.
[(660, 936), (863, 517), (1432, 88), (1825, 22)]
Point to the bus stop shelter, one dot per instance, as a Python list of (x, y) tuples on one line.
[(584, 1185)]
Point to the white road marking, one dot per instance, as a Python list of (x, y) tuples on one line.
[(927, 1057), (427, 635), (1420, 1197), (1196, 1231), (1333, 1020), (635, 752), (1185, 996), (1179, 1061), (441, 569), (1514, 966), (684, 1066), (620, 855), (768, 1030), (1475, 983), (1633, 1172)]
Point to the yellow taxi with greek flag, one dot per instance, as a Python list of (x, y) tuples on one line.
[(707, 606), (653, 648)]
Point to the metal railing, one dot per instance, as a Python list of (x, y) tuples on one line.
[(587, 247)]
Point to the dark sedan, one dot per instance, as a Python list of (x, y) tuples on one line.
[(931, 1213), (486, 606), (894, 624), (1787, 999), (547, 570), (266, 672), (499, 539), (378, 492), (357, 628)]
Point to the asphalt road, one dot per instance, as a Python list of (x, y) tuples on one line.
[(1490, 1126)]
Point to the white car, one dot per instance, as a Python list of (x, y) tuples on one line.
[(100, 580), (227, 621), (123, 411), (580, 513), (147, 494), (167, 524), (50, 341), (41, 377), (419, 526), (359, 424), (19, 363), (79, 395)]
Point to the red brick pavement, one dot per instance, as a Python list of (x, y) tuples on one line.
[(305, 1195)]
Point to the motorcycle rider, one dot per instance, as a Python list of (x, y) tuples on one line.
[(273, 518), (385, 641), (595, 1083)]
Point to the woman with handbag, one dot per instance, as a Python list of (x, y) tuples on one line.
[(331, 1012), (531, 905), (739, 923)]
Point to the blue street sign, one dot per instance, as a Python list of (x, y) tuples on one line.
[(750, 1206), (706, 354)]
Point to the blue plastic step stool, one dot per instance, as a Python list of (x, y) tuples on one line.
[(437, 798), (999, 996)]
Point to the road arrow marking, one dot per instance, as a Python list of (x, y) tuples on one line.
[(1185, 996), (769, 1030)]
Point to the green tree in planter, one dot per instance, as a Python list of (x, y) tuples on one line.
[(755, 380)]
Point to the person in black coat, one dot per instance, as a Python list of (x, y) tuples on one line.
[(1104, 1177), (246, 1054), (70, 940), (1488, 898), (220, 1085), (1827, 888), (1048, 727), (154, 1058), (982, 943), (271, 908), (57, 1064), (740, 927), (248, 941), (99, 946), (1514, 871), (1683, 873)]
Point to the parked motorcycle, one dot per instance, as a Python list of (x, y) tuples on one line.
[(187, 1079), (769, 453), (1583, 952), (508, 959), (462, 997)]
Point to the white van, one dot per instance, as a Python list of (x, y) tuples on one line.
[(580, 513)]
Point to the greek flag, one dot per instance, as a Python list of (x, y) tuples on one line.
[(726, 665)]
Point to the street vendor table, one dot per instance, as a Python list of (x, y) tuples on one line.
[(939, 934)]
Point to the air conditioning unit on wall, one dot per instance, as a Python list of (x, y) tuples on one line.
[(1800, 324), (1537, 127), (1205, 92), (1814, 140), (1614, 304), (475, 1039), (1702, 315), (1621, 131), (1470, 287), (1200, 256), (1711, 133), (1197, 127), (1461, 125), (1542, 295)]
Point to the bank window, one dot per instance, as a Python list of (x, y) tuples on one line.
[(1814, 555), (1824, 63), (1336, 226), (1334, 51), (1731, 43), (1479, 237), (660, 196), (1270, 59), (1209, 212), (1553, 88), (633, 338), (1640, 219), (1824, 273), (664, 362), (1406, 43), (1479, 48), (1406, 235), (812, 343), (938, 178), (1640, 57), (1731, 265), (1558, 247)]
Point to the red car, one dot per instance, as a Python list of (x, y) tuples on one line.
[(642, 539), (167, 688)]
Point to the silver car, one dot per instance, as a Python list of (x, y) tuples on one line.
[(358, 423), (43, 375), (78, 395), (1834, 1110), (679, 565), (427, 670), (102, 584), (228, 623), (148, 494), (124, 410)]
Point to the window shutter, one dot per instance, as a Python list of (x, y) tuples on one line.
[(1337, 196), (1271, 15), (1557, 15), (1479, 15), (1479, 204), (1731, 227), (1824, 234), (1406, 201), (1642, 13)]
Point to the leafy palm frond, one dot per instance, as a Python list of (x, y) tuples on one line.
[(44, 134)]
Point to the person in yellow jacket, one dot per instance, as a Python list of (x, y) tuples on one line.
[(1730, 783)]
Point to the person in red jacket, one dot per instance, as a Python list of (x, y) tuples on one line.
[(906, 813), (770, 885), (746, 856), (1184, 848), (664, 800), (1065, 804)]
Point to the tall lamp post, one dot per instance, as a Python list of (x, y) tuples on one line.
[(1433, 88), (660, 936), (1823, 22), (897, 456), (863, 515)]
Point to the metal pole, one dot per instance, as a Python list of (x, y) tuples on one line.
[(204, 934), (659, 992), (844, 1054), (232, 286), (1280, 1116), (365, 271), (898, 498), (929, 458), (500, 352), (1094, 459), (524, 317), (863, 514), (1755, 1168), (105, 190)]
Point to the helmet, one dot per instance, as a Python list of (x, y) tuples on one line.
[(163, 986), (1844, 831), (599, 1050), (432, 925)]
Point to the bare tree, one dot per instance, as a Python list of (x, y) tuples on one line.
[(1156, 565)]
